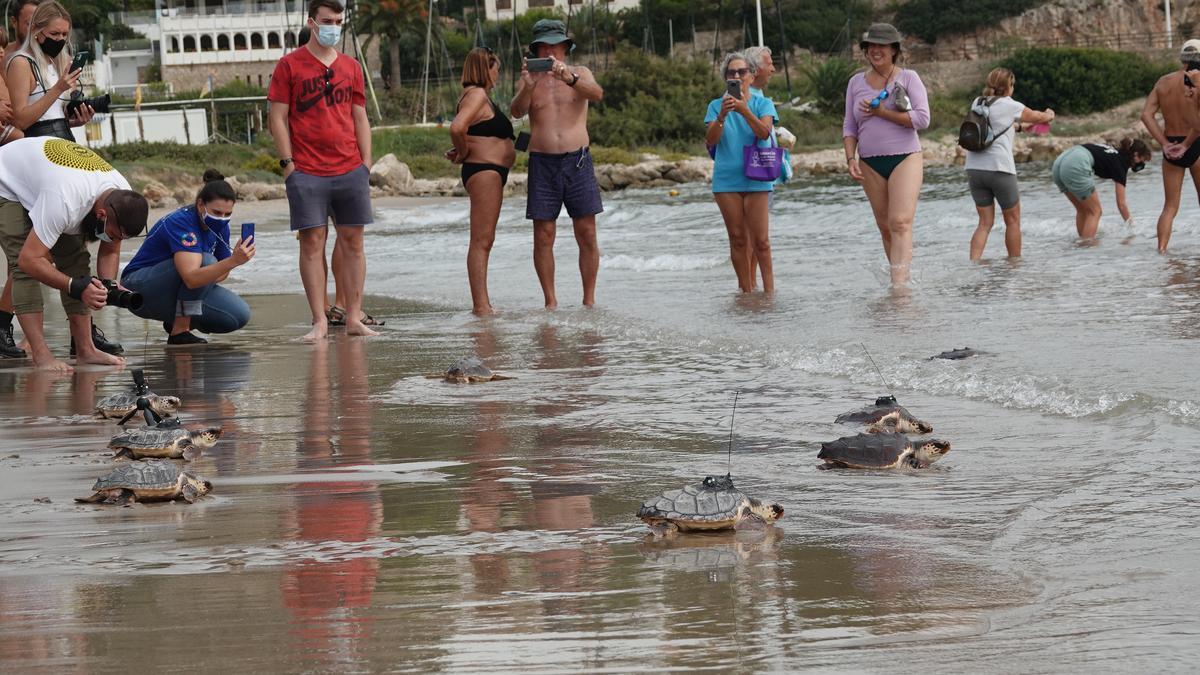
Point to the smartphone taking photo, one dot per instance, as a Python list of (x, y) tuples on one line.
[(247, 231), (539, 65), (733, 88), (78, 62)]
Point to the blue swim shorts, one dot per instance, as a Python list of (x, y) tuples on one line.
[(557, 179)]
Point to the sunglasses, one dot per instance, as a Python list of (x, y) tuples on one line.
[(328, 81), (879, 98), (737, 72)]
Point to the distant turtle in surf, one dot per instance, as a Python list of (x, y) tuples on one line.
[(957, 354), (713, 504), (148, 481), (120, 404), (881, 451), (885, 415), (167, 439), (466, 370)]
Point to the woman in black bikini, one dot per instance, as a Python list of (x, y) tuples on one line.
[(483, 145)]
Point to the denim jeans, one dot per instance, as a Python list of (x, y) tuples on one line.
[(213, 309)]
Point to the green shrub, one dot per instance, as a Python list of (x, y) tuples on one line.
[(262, 162), (825, 82), (652, 101), (931, 19), (1079, 81)]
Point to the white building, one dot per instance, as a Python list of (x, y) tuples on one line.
[(508, 9)]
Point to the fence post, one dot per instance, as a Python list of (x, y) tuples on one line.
[(187, 132)]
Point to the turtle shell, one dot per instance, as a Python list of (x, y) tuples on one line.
[(867, 451), (120, 402), (884, 407), (956, 354), (469, 367), (158, 437), (154, 474), (711, 504)]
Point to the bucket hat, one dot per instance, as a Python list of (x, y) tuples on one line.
[(880, 34), (550, 32), (1190, 50)]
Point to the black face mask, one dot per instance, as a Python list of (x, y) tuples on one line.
[(91, 226), (1138, 167), (52, 48)]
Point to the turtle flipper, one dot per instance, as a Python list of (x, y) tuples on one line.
[(124, 453), (501, 377), (96, 498), (663, 528), (124, 498), (190, 451), (189, 494), (749, 520)]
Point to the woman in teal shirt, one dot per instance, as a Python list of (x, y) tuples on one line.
[(734, 123)]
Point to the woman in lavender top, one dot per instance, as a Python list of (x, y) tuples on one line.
[(885, 107)]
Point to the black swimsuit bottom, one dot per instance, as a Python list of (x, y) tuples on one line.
[(471, 168)]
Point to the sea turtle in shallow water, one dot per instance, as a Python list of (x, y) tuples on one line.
[(166, 439), (713, 504), (147, 481), (120, 404), (468, 370), (885, 415), (957, 354), (881, 451)]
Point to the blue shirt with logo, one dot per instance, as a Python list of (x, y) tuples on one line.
[(181, 230)]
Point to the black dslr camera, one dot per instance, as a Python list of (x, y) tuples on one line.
[(119, 297), (98, 104)]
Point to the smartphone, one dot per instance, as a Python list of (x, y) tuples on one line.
[(522, 143), (733, 88), (538, 65), (78, 62), (247, 231)]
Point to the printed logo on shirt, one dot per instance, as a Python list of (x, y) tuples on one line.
[(189, 240), (317, 85), (73, 156)]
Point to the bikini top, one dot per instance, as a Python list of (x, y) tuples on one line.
[(498, 126)]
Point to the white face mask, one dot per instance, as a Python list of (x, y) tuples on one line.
[(101, 232)]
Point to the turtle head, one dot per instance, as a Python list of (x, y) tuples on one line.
[(202, 487), (206, 438), (930, 451), (924, 428), (768, 512), (166, 405)]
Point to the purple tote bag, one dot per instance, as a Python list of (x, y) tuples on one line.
[(765, 164)]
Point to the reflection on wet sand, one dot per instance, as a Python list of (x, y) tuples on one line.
[(325, 599)]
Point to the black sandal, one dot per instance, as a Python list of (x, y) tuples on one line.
[(336, 316)]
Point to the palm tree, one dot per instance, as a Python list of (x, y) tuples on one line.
[(390, 18)]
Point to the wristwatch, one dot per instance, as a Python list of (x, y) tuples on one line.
[(283, 163), (575, 81)]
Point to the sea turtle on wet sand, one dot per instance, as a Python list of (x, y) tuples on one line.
[(713, 504), (466, 370), (147, 481), (881, 451), (885, 415), (956, 354), (122, 403), (167, 439)]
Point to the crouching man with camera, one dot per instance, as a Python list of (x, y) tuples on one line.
[(56, 197)]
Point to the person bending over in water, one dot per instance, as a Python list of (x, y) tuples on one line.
[(1174, 95), (885, 107), (992, 173), (483, 145), (1075, 172)]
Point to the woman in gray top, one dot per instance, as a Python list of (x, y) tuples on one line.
[(992, 173)]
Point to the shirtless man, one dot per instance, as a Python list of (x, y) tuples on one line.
[(560, 166), (1175, 96)]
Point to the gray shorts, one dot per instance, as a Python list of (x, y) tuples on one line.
[(313, 199), (1072, 171), (562, 179), (988, 186)]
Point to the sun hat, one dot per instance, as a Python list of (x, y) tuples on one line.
[(880, 34), (1190, 50), (550, 32)]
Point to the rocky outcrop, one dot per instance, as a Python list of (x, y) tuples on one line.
[(391, 174)]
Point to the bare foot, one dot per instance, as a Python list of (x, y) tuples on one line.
[(99, 358), (359, 328), (483, 311), (319, 332), (44, 360)]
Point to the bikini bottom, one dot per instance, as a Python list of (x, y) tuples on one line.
[(471, 168), (884, 165)]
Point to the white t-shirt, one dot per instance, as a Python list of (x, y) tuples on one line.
[(56, 181), (1004, 113)]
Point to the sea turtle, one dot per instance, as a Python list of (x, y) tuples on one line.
[(885, 415), (881, 451), (957, 354), (147, 481), (713, 504), (166, 439), (122, 403), (468, 369)]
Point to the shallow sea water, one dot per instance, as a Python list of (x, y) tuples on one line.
[(366, 518)]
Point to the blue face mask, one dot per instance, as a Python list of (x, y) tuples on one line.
[(328, 35), (213, 222)]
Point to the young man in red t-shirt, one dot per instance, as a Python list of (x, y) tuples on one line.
[(319, 122)]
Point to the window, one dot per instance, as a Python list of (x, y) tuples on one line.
[(173, 45), (289, 40), (273, 40), (206, 43), (239, 41), (256, 41), (189, 43), (503, 4), (223, 43), (541, 3)]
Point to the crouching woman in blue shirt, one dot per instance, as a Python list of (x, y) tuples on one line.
[(185, 255)]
